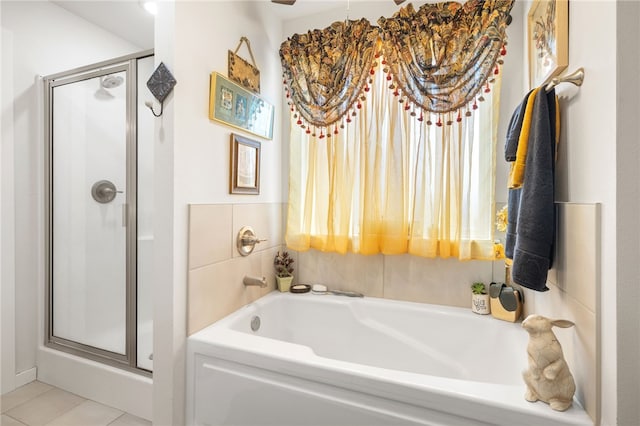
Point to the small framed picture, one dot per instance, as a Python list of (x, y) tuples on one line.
[(245, 166)]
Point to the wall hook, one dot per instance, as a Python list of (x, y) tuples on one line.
[(160, 84), (150, 106)]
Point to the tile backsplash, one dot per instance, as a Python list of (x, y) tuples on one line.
[(401, 277), (574, 283), (216, 269)]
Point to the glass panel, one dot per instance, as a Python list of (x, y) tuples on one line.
[(89, 236), (145, 216)]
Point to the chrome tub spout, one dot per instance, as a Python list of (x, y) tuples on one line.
[(253, 281)]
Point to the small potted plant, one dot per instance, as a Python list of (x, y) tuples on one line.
[(284, 271), (479, 299)]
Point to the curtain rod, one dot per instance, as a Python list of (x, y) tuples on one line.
[(576, 77)]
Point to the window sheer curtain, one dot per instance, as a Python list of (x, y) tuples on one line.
[(401, 161), (389, 183)]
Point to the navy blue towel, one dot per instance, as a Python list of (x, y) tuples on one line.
[(535, 212), (513, 131)]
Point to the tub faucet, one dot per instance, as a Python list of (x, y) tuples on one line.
[(253, 281)]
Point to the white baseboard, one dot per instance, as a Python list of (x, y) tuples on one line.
[(26, 376)]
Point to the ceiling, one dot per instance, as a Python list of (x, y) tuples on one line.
[(307, 8), (125, 18), (129, 20)]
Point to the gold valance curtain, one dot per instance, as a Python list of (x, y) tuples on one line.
[(326, 70), (437, 58), (442, 55)]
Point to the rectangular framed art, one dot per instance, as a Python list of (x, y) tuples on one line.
[(237, 107), (245, 166), (548, 40)]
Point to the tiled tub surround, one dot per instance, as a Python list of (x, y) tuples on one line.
[(574, 283), (400, 277), (216, 271), (216, 268)]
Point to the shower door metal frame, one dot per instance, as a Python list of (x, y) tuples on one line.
[(128, 64)]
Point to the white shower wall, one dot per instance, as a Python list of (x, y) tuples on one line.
[(145, 215), (89, 238)]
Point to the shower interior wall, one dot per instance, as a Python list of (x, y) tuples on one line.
[(89, 292)]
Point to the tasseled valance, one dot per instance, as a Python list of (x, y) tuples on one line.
[(327, 69), (437, 58), (443, 54)]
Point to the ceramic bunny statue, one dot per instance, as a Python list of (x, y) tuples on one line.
[(548, 378)]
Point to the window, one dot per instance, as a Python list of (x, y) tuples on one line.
[(396, 180)]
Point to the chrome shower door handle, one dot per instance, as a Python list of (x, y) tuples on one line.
[(104, 191)]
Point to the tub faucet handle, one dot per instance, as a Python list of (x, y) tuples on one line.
[(246, 240), (252, 240)]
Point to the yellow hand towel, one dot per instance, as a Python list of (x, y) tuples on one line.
[(516, 174), (555, 158)]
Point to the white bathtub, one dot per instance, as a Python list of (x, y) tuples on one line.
[(332, 360)]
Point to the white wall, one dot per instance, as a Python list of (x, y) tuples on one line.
[(586, 166), (628, 205), (192, 158), (42, 39), (7, 234)]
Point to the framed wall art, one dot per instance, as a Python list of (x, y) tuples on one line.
[(548, 40), (237, 107), (245, 166)]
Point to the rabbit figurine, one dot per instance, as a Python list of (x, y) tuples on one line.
[(548, 378)]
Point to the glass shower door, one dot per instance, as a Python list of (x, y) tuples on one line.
[(90, 198)]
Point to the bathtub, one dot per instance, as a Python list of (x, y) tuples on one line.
[(332, 360)]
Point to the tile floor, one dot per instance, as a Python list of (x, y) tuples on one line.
[(39, 404)]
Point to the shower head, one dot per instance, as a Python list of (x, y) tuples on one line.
[(111, 81)]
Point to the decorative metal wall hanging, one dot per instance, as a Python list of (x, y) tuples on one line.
[(241, 71), (160, 84)]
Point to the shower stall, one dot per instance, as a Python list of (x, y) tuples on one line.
[(99, 204)]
